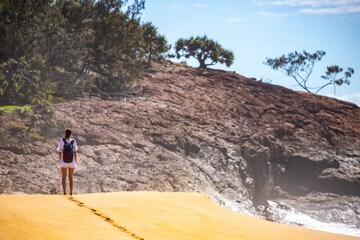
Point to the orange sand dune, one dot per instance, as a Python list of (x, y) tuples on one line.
[(137, 215)]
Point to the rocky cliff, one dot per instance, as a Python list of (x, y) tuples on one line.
[(240, 141)]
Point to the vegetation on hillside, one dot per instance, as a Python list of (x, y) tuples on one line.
[(51, 50), (54, 50)]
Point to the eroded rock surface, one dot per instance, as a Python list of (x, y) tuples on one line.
[(238, 140)]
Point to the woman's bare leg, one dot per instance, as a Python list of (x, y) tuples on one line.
[(64, 175), (71, 183)]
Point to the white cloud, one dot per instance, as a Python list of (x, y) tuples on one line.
[(335, 10), (272, 14), (317, 6), (351, 97), (314, 3), (236, 19), (172, 6), (198, 5), (354, 9)]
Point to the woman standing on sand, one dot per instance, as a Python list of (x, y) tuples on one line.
[(67, 159)]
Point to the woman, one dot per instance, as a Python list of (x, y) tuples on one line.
[(67, 159)]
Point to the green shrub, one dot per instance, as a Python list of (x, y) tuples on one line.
[(10, 108), (34, 136), (17, 128)]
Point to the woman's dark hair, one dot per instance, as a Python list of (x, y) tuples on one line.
[(67, 133)]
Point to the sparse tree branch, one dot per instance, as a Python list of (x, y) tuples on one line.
[(297, 63)]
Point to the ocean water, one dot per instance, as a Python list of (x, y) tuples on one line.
[(289, 215), (332, 213)]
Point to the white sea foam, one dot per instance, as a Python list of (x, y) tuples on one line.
[(293, 217)]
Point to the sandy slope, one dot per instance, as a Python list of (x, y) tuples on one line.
[(136, 215)]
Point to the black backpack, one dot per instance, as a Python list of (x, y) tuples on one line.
[(68, 152)]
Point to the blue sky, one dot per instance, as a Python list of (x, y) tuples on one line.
[(257, 29)]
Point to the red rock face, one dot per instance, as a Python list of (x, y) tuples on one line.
[(238, 140)]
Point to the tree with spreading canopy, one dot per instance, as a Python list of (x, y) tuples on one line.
[(203, 49), (155, 44), (300, 66)]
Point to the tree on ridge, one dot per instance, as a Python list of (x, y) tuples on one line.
[(300, 66), (155, 44), (203, 49)]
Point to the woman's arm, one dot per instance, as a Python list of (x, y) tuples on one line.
[(60, 156), (75, 155)]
